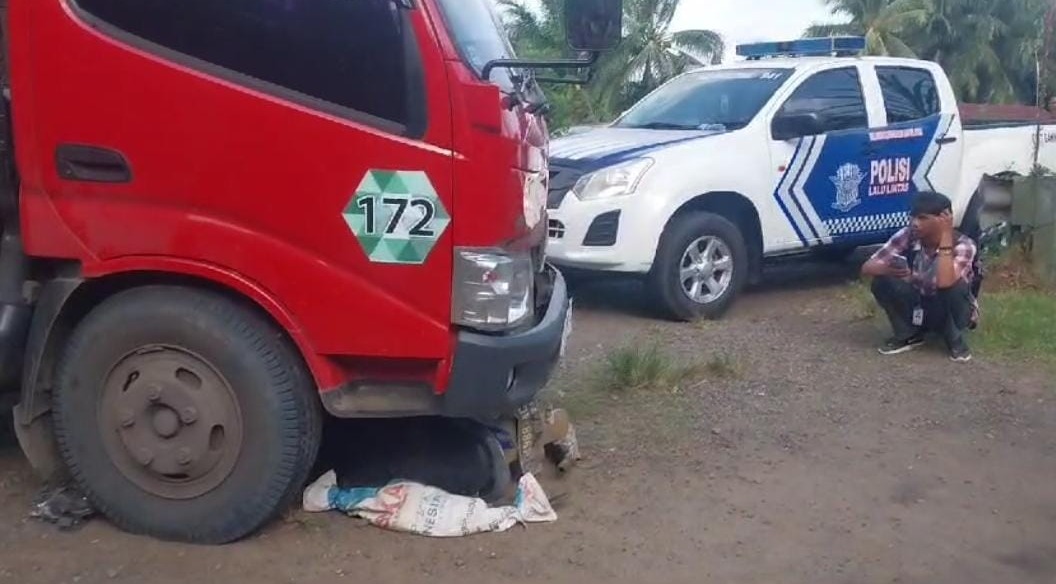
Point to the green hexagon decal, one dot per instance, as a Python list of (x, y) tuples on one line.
[(396, 216)]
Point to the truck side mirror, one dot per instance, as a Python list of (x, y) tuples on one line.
[(593, 25), (792, 126)]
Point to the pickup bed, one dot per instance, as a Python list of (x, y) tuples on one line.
[(724, 166)]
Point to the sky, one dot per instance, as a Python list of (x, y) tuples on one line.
[(745, 21)]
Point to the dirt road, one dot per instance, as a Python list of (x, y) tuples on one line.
[(820, 462)]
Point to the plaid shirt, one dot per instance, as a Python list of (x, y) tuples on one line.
[(925, 267)]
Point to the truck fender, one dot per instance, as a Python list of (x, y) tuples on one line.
[(32, 427), (63, 301), (163, 269)]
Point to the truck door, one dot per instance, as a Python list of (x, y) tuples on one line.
[(820, 136), (304, 145), (917, 148)]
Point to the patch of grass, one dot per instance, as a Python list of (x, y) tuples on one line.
[(860, 296), (635, 367), (1019, 311), (1011, 270), (1019, 324), (647, 366), (641, 387), (582, 400), (722, 366)]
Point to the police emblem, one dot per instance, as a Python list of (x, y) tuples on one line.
[(848, 179)]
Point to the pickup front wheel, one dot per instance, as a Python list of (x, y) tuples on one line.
[(184, 415), (700, 267)]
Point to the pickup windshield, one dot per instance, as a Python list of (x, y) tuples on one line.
[(724, 99), (478, 32)]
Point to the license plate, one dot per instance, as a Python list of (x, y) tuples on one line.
[(565, 334)]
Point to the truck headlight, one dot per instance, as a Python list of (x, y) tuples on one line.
[(614, 181), (493, 289)]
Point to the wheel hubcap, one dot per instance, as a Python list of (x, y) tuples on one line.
[(171, 423), (706, 269)]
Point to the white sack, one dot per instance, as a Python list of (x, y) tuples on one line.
[(424, 510)]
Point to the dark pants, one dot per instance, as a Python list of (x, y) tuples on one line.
[(948, 312)]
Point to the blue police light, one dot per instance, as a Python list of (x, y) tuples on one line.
[(838, 46)]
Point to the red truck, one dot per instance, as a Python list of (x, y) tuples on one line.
[(222, 218)]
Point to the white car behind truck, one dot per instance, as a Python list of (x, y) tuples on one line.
[(786, 152)]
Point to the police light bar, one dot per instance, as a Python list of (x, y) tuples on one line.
[(833, 46)]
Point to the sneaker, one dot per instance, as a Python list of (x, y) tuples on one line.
[(960, 353), (894, 346)]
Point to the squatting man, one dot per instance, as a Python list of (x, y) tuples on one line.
[(925, 278)]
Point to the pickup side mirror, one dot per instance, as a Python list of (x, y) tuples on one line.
[(792, 126), (593, 25)]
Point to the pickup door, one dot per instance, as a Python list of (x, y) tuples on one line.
[(871, 137)]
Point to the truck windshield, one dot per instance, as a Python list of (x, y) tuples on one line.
[(711, 99), (479, 34)]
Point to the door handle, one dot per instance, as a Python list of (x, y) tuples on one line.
[(91, 164), (946, 140)]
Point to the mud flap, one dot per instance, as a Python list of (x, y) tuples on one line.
[(38, 443)]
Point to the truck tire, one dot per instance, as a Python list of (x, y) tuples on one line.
[(184, 415), (685, 282)]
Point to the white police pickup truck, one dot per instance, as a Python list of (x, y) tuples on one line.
[(785, 152)]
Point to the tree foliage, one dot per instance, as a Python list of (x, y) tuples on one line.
[(649, 55), (990, 49)]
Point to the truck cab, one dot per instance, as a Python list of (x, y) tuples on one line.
[(803, 146), (224, 218)]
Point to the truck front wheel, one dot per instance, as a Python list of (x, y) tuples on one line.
[(184, 415), (701, 265)]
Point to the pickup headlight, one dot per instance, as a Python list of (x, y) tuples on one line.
[(493, 289), (614, 181)]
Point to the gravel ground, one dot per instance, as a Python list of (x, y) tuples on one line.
[(818, 462)]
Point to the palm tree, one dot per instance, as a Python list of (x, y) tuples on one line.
[(962, 36), (1023, 48), (539, 32), (649, 55), (1048, 58), (989, 50), (535, 32), (883, 23)]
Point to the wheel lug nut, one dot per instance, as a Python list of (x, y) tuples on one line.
[(183, 456), (189, 415), (154, 392), (144, 456), (128, 418)]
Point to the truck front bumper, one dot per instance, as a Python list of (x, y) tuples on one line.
[(492, 376), (499, 374)]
